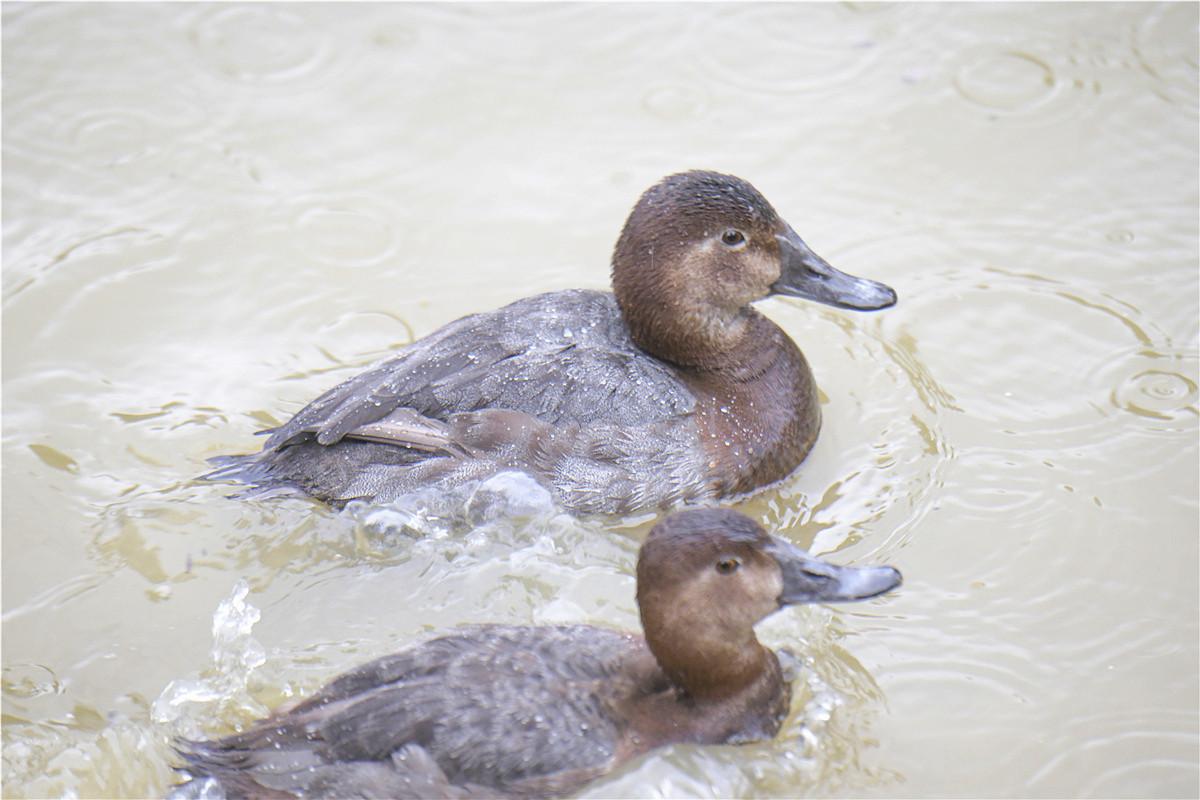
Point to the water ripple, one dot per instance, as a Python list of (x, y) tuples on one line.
[(879, 462), (1147, 752), (103, 129), (675, 101), (1018, 434), (258, 43), (345, 231), (764, 48), (30, 680), (1006, 80), (1165, 46), (1152, 391), (1033, 355)]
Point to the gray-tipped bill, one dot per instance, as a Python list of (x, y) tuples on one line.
[(805, 274), (810, 580)]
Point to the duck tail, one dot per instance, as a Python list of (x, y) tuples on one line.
[(249, 469)]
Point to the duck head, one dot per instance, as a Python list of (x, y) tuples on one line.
[(705, 577), (698, 248)]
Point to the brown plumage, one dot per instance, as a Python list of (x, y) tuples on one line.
[(670, 390), (541, 711)]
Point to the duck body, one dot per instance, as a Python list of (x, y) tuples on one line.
[(668, 391), (542, 711), (576, 701), (554, 385)]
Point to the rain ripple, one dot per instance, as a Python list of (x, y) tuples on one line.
[(345, 231), (1165, 46), (1154, 392), (257, 43), (1143, 753), (1034, 356), (1009, 81), (764, 47), (879, 462)]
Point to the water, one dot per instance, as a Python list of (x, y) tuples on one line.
[(214, 212)]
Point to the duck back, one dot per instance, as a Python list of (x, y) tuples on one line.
[(520, 711), (552, 385)]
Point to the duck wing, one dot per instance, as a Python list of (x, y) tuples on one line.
[(492, 706), (561, 357)]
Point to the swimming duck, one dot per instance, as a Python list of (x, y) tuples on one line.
[(541, 711), (669, 390)]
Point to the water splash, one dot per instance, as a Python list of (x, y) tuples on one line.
[(493, 509), (224, 687)]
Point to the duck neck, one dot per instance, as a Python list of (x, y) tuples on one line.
[(695, 339), (705, 663), (757, 412)]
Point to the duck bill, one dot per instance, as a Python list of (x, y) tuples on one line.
[(805, 274), (810, 580)]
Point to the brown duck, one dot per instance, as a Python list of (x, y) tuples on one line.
[(670, 390), (541, 711)]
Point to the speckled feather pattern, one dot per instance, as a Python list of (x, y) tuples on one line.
[(562, 356), (523, 711), (605, 428), (670, 390), (542, 711)]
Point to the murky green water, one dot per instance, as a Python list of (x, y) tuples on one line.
[(213, 212)]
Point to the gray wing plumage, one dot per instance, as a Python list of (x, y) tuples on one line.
[(561, 357), (490, 709)]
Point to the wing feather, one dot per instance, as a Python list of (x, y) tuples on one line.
[(562, 357)]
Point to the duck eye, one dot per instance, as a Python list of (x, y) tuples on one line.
[(728, 565), (733, 237)]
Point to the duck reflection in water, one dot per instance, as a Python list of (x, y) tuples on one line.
[(542, 711)]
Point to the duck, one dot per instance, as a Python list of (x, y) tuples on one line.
[(671, 390), (541, 711)]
